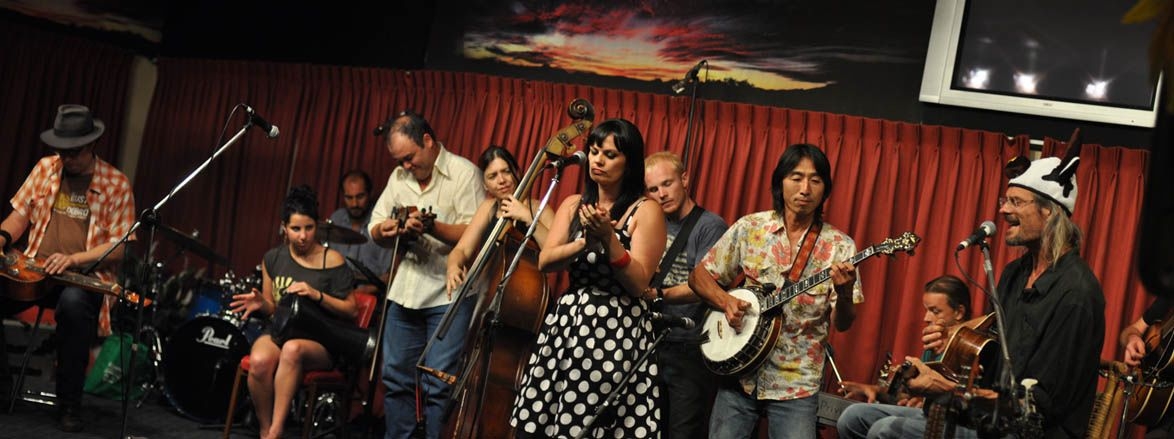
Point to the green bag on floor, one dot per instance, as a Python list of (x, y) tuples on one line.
[(106, 376)]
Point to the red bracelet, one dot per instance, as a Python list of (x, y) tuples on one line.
[(623, 261)]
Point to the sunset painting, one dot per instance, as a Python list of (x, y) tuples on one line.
[(745, 42)]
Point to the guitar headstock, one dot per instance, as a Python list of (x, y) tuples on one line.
[(906, 243)]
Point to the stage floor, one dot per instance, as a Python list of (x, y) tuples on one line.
[(103, 419)]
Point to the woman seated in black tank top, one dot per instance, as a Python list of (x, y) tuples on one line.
[(304, 267)]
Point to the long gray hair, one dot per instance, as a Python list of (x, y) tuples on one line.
[(1060, 234)]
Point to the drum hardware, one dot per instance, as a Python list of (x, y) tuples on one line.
[(155, 358), (337, 234), (190, 242), (198, 362), (325, 410), (199, 366)]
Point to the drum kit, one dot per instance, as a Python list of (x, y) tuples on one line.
[(195, 361)]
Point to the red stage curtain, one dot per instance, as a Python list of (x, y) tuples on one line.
[(890, 177), (42, 70)]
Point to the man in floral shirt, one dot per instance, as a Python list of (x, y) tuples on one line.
[(763, 247)]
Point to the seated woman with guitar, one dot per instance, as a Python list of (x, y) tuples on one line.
[(611, 242), (304, 267), (500, 174)]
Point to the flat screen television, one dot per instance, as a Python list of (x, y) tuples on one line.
[(1070, 59)]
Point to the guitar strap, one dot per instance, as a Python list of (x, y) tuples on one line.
[(806, 248), (678, 246)]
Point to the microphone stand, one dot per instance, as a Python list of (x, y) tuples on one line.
[(623, 385), (1007, 376), (150, 218), (689, 125), (495, 306)]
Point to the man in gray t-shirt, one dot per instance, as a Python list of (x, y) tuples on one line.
[(689, 386)]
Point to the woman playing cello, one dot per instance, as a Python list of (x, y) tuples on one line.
[(500, 174)]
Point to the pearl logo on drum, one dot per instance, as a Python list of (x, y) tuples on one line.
[(208, 337)]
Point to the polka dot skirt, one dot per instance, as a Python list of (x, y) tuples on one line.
[(585, 348), (589, 341)]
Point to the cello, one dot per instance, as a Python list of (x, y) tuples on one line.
[(509, 315)]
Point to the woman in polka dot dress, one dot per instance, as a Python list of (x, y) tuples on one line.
[(611, 242)]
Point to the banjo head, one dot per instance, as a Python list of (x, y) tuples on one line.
[(723, 343)]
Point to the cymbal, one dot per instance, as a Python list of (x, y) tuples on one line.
[(328, 231), (189, 242)]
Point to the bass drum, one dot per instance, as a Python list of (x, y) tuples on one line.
[(199, 366)]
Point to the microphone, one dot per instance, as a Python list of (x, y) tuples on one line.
[(671, 320), (578, 158), (690, 76), (270, 129), (986, 229)]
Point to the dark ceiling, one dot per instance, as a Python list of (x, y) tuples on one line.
[(379, 34), (375, 34)]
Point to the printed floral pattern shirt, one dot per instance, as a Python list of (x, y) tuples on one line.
[(757, 245)]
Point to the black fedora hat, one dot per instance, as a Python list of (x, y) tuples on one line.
[(74, 127)]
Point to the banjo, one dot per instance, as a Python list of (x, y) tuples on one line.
[(727, 352)]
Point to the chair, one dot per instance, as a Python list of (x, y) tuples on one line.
[(316, 382)]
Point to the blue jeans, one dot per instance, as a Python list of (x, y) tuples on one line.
[(735, 415), (860, 420), (877, 421), (406, 332)]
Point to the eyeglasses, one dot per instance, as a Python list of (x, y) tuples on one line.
[(1014, 202), (68, 153)]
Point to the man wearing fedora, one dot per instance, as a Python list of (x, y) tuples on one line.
[(74, 207)]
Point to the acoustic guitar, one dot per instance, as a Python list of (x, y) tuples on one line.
[(968, 355), (728, 352), (1151, 400), (893, 382), (27, 281)]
